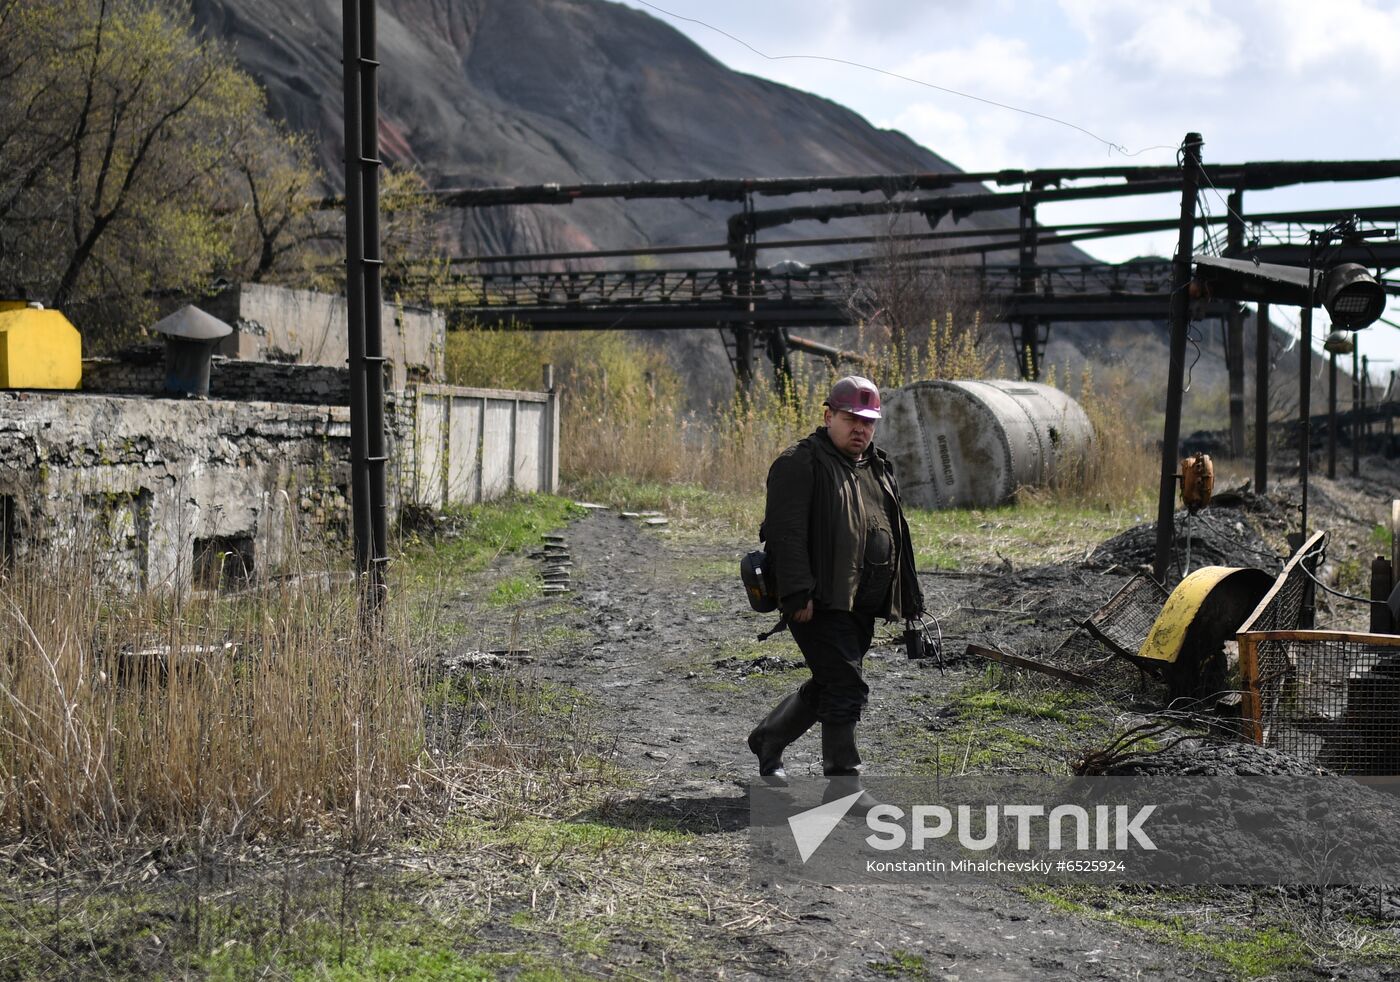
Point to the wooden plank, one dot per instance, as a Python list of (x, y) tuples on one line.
[(1016, 661), (1353, 637), (1249, 684)]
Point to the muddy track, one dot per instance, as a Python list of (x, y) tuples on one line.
[(662, 641)]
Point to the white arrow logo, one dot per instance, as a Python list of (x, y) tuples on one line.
[(810, 828)]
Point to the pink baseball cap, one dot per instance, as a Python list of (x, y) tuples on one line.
[(855, 395)]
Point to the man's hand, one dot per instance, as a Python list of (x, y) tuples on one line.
[(804, 615)]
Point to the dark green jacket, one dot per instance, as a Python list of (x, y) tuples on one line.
[(814, 528)]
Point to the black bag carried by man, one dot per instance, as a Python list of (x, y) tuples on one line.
[(760, 583)]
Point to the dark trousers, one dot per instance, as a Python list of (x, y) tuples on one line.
[(834, 643)]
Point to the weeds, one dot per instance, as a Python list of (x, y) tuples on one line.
[(196, 718), (628, 427)]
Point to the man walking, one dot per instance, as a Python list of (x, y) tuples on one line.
[(839, 546)]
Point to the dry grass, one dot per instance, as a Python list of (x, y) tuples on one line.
[(625, 416), (126, 716)]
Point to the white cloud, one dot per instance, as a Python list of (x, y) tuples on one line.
[(1260, 79)]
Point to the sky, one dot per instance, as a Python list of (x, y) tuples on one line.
[(1122, 81)]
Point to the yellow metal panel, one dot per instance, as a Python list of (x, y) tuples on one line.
[(39, 349), (1163, 642)]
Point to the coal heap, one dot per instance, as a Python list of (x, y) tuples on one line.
[(1217, 537), (1218, 760)]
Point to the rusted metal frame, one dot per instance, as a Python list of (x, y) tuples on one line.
[(1092, 230), (1251, 710), (957, 205), (1176, 369), (1256, 175), (1095, 307), (1383, 255), (1341, 637)]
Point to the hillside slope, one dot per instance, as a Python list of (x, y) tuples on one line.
[(500, 92)]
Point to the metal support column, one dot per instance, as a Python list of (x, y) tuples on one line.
[(1365, 387), (1234, 331), (1261, 400), (1305, 395), (746, 260), (1332, 415), (1176, 368), (1026, 333), (1356, 407), (364, 305)]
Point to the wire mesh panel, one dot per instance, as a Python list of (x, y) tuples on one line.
[(1282, 607), (1330, 697), (1124, 622)]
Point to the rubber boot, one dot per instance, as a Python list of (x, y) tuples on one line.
[(841, 765), (789, 720)]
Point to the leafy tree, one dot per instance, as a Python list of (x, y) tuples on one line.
[(277, 227), (136, 161)]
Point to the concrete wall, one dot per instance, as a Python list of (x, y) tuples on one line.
[(153, 484), (473, 445), (273, 323), (145, 480)]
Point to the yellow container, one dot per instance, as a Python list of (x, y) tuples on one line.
[(39, 349)]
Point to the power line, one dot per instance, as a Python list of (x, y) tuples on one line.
[(907, 78)]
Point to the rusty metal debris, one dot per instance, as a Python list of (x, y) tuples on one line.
[(1017, 661)]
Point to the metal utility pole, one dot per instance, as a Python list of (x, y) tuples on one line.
[(1234, 331), (746, 259), (1261, 400), (1332, 416), (1365, 387), (1026, 333), (363, 301), (1176, 367), (1305, 388), (1357, 408)]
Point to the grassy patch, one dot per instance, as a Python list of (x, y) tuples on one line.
[(1381, 538), (1028, 534), (547, 839), (677, 501), (1249, 950), (513, 590), (983, 728), (478, 534), (901, 965)]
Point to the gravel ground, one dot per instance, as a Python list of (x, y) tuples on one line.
[(662, 640)]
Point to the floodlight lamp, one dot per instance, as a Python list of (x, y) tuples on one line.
[(1351, 295), (1339, 343)]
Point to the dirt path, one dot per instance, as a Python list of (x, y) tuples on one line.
[(662, 639)]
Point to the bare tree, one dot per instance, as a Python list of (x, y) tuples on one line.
[(919, 306)]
